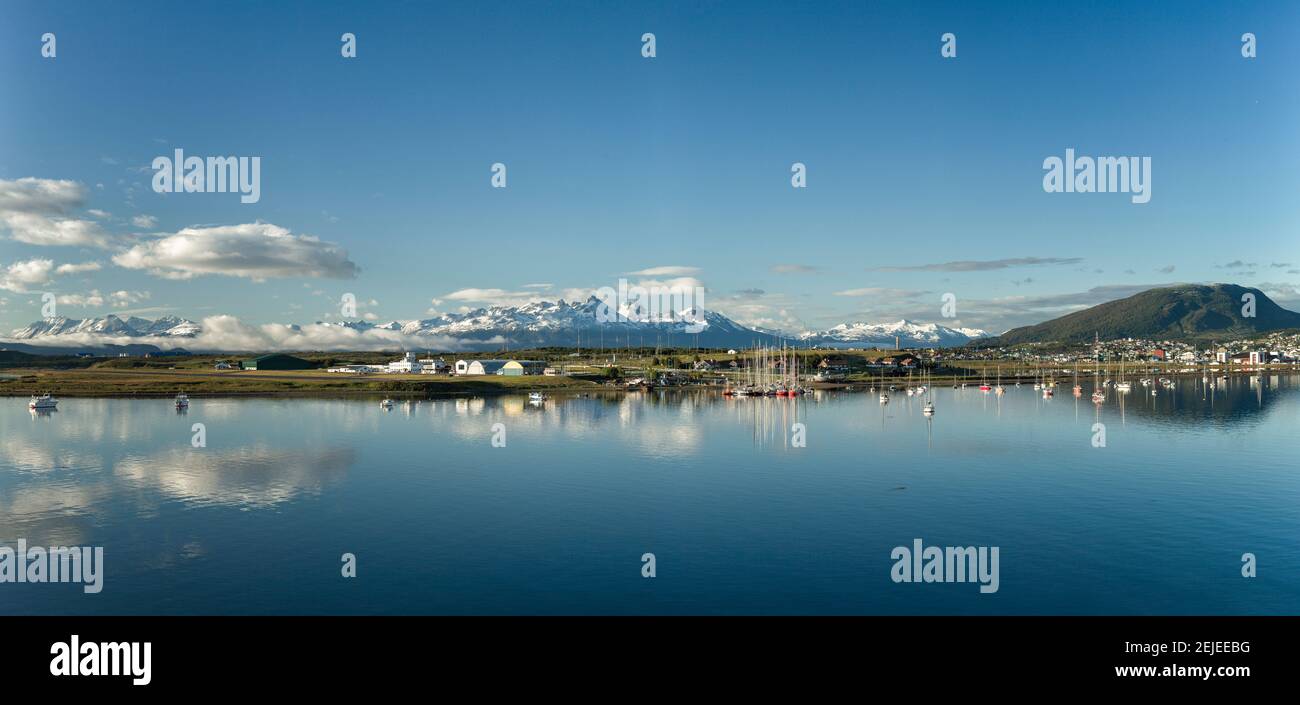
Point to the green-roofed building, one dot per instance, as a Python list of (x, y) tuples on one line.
[(277, 361)]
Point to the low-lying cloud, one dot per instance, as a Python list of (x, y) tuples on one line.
[(255, 251)]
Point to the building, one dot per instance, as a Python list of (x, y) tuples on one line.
[(553, 372), (462, 367), (1259, 357), (429, 366), (482, 367), (359, 369), (516, 368), (277, 361), (408, 365)]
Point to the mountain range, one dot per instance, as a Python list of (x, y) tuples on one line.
[(1184, 311), (1166, 313), (537, 324)]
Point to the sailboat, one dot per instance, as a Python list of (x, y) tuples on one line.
[(1123, 386), (928, 409)]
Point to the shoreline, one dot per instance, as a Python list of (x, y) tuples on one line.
[(163, 384)]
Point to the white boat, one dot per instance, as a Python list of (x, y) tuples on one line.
[(44, 401), (386, 404), (929, 409), (182, 401), (536, 396), (884, 398)]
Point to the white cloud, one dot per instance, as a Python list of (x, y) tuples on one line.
[(257, 251), (34, 211), (494, 297), (667, 271), (99, 213), (144, 221), (18, 276), (94, 299), (78, 268)]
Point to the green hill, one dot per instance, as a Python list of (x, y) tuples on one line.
[(1183, 311)]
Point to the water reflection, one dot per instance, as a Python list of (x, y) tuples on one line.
[(246, 477)]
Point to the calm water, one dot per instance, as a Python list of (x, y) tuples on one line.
[(740, 521)]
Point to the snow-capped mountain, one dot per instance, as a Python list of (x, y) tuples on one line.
[(909, 334), (109, 326), (539, 324), (567, 324)]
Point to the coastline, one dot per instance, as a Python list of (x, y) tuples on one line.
[(166, 383)]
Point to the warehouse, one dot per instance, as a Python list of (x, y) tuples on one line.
[(515, 368), (484, 367), (277, 361)]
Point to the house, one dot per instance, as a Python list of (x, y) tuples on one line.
[(462, 367), (1258, 357), (1158, 355), (518, 368), (430, 366), (702, 366), (484, 367), (277, 361), (223, 365), (553, 372)]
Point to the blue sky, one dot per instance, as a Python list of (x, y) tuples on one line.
[(671, 168)]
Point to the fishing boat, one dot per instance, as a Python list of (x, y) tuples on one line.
[(182, 401), (44, 401)]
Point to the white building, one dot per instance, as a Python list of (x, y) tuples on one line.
[(1259, 357), (407, 365), (462, 367)]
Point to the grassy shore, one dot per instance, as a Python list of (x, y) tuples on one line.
[(158, 383), (22, 374)]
